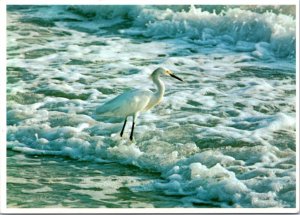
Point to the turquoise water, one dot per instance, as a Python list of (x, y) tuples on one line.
[(225, 137), (47, 181)]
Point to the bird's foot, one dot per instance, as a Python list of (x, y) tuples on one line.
[(132, 140)]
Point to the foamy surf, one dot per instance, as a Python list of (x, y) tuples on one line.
[(223, 138)]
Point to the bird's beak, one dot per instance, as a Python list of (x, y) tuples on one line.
[(174, 76)]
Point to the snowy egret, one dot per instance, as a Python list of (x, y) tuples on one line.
[(133, 102)]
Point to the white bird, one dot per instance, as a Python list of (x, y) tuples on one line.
[(133, 102)]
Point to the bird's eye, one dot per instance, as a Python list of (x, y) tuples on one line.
[(168, 72)]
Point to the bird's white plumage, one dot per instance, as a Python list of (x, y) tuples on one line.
[(126, 104), (133, 102)]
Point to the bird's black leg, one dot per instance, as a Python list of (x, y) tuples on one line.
[(121, 134), (131, 134)]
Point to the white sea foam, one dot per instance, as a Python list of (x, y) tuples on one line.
[(233, 26)]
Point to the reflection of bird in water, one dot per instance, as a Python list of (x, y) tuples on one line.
[(133, 102)]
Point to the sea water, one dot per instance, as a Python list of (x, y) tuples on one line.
[(225, 137)]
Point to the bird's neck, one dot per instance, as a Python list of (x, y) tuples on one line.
[(158, 95), (160, 88)]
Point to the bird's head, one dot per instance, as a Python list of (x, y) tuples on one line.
[(162, 71)]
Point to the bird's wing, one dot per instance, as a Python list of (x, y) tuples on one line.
[(126, 104)]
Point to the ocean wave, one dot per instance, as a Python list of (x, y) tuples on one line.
[(208, 26)]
